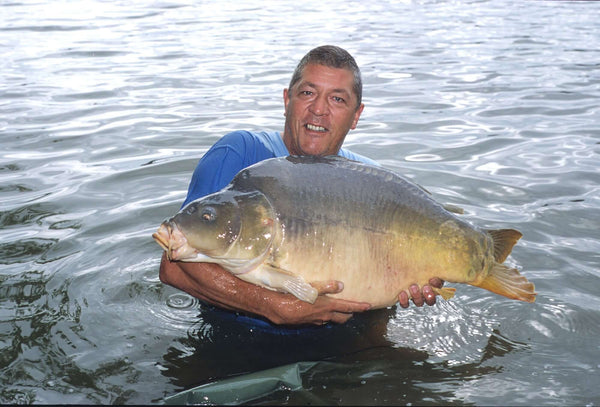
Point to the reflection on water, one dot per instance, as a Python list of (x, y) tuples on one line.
[(105, 108)]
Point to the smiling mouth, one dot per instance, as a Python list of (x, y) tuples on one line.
[(313, 127)]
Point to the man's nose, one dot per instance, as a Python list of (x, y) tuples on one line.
[(320, 106)]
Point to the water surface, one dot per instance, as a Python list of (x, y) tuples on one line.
[(105, 108)]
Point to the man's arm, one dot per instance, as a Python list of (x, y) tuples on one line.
[(215, 285)]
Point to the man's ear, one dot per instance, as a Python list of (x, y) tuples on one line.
[(286, 100), (357, 116)]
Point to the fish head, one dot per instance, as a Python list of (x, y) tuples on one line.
[(231, 228), (210, 224), (203, 229)]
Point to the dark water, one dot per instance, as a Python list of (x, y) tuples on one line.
[(105, 108)]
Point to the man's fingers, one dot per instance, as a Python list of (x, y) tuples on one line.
[(347, 307), (436, 282), (340, 318), (338, 311), (403, 299), (420, 296), (328, 287), (429, 295), (417, 297)]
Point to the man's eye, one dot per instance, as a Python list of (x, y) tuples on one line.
[(338, 99), (306, 92)]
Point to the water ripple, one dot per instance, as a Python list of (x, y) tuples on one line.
[(105, 108)]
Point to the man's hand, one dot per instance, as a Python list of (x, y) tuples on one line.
[(325, 309), (419, 297)]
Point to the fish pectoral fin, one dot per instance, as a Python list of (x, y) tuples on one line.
[(283, 280), (445, 292), (508, 282), (301, 289)]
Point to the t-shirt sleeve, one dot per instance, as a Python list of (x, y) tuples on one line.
[(217, 167)]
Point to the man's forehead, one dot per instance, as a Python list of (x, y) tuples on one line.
[(341, 79)]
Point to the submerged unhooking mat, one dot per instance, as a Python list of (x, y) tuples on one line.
[(379, 375), (245, 388)]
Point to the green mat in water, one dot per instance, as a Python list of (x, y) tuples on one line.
[(245, 388)]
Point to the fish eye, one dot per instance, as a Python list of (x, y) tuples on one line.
[(208, 214)]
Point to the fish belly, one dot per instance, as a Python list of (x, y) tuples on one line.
[(375, 266)]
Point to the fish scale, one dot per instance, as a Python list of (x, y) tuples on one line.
[(313, 219)]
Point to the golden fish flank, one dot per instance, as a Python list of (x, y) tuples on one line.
[(288, 222)]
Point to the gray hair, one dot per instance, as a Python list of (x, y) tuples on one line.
[(333, 57)]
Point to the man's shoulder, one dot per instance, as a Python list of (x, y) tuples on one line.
[(230, 154), (244, 140), (248, 146)]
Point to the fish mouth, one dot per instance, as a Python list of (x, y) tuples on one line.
[(172, 240), (162, 237)]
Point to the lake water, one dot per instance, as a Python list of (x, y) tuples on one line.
[(106, 106)]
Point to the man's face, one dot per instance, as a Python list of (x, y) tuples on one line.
[(320, 109)]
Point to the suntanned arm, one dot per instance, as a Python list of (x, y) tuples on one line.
[(215, 285)]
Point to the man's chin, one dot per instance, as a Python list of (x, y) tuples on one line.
[(315, 151), (315, 146)]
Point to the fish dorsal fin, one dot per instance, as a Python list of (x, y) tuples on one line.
[(508, 282), (504, 240), (454, 209), (449, 207)]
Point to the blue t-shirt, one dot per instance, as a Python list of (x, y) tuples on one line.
[(215, 170), (236, 151)]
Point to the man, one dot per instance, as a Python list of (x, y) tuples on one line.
[(322, 103)]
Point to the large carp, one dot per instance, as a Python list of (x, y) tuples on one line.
[(285, 223)]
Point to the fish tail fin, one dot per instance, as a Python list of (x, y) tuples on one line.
[(445, 292), (504, 240), (508, 282)]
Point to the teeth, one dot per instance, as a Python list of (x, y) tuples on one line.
[(315, 128)]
